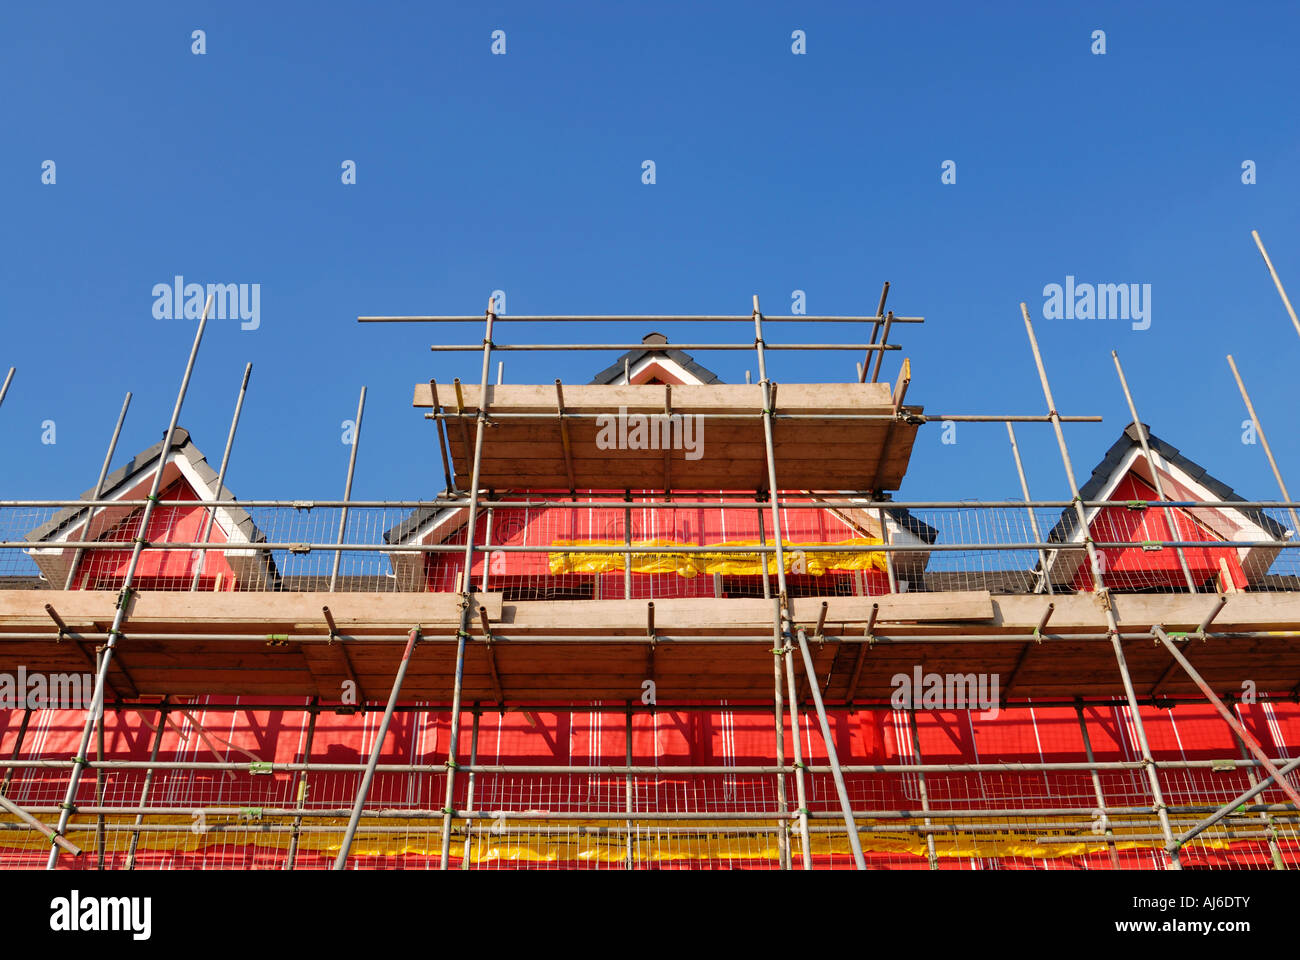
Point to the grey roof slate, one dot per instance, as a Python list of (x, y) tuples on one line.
[(614, 372), (144, 463), (1068, 525)]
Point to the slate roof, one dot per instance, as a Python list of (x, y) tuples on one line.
[(614, 373), (144, 463), (1068, 525)]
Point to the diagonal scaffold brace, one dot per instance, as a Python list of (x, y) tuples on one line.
[(1103, 595), (412, 640), (1246, 737), (783, 628), (95, 713), (1228, 808), (467, 586)]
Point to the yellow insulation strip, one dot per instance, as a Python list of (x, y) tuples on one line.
[(545, 843), (797, 560)]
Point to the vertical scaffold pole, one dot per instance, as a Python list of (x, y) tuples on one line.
[(627, 542), (1100, 591), (886, 539), (875, 332), (99, 790), (1045, 581), (931, 854), (782, 804), (1274, 850), (841, 788), (1286, 301), (1096, 784), (629, 855), (412, 639), (780, 614), (1171, 517), (300, 792), (1263, 442), (210, 514), (80, 552), (148, 783), (347, 489), (467, 585), (124, 598), (473, 759)]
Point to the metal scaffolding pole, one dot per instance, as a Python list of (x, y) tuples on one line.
[(629, 854), (1099, 586), (96, 710), (1263, 442), (80, 552), (1170, 517), (18, 749), (1247, 737), (931, 853), (1231, 806), (467, 585), (782, 804), (1045, 579), (1269, 824), (473, 774), (627, 557), (1277, 282), (877, 320), (814, 687), (148, 783), (780, 611), (347, 489), (655, 770), (55, 839), (99, 788), (886, 541), (4, 388), (211, 513), (1096, 786), (548, 319), (300, 792), (364, 791)]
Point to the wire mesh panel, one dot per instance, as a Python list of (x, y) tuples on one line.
[(549, 789), (608, 546)]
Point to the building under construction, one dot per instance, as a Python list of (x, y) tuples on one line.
[(657, 621)]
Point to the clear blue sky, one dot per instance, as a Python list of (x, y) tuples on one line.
[(775, 172)]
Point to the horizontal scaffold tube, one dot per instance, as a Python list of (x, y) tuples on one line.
[(334, 813), (647, 771), (637, 318), (640, 548), (737, 502)]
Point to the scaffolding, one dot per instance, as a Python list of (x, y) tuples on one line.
[(801, 662)]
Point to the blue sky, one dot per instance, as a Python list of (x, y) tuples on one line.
[(775, 172)]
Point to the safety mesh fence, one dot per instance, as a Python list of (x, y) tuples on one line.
[(226, 795), (607, 548)]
